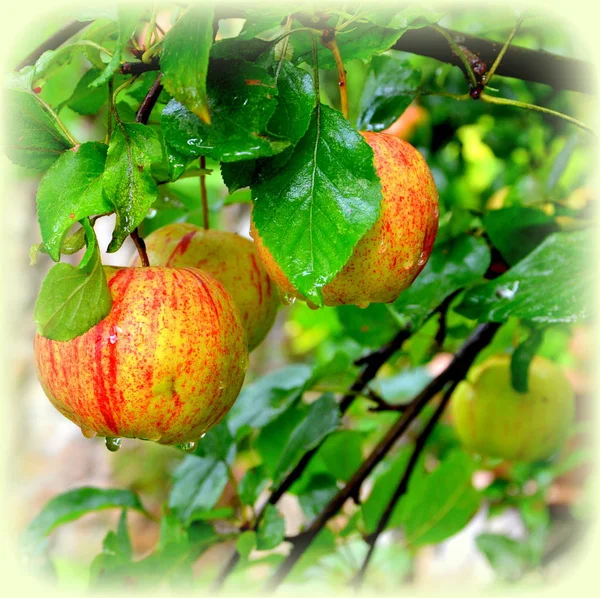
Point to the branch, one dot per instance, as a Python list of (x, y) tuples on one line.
[(403, 484), (148, 103), (455, 371), (530, 65), (53, 42), (372, 364), (137, 68)]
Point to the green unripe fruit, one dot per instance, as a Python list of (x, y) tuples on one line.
[(493, 419)]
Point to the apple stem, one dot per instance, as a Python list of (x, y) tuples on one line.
[(203, 193), (140, 246), (329, 41)]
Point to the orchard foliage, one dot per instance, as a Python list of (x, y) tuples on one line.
[(124, 117)]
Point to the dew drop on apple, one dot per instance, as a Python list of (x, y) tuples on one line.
[(113, 444), (88, 432), (288, 299), (363, 304), (189, 447), (112, 339)]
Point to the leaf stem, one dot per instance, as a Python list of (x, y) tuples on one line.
[(329, 41), (59, 122), (204, 194), (456, 49), (506, 102), (140, 245), (492, 71)]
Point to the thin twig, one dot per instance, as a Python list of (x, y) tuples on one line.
[(140, 245), (505, 102), (148, 103), (204, 194), (137, 68), (492, 71), (402, 485), (456, 370), (458, 51), (329, 41)]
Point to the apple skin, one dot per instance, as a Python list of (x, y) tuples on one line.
[(229, 258), (407, 123), (166, 364), (493, 419), (393, 252)]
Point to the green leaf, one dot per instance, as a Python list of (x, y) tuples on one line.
[(370, 327), (116, 552), (33, 137), (184, 60), (85, 99), (508, 557), (517, 231), (237, 175), (72, 300), (73, 504), (521, 359), (296, 101), (242, 98), (199, 483), (451, 266), (262, 401), (252, 484), (128, 183), (361, 40), (311, 214), (440, 504), (391, 85), (317, 493), (271, 529), (70, 191), (128, 19), (342, 453), (551, 284), (217, 443), (246, 543), (322, 418)]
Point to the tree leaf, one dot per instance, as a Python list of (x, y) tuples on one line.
[(199, 483), (551, 284), (391, 85), (73, 504), (370, 327), (33, 138), (72, 300), (271, 529), (246, 543), (521, 359), (242, 99), (85, 99), (342, 453), (184, 60), (128, 183), (217, 443), (508, 557), (237, 175), (70, 191), (440, 504), (451, 266), (311, 214), (252, 484), (128, 19), (517, 231), (322, 418), (262, 401), (317, 493)]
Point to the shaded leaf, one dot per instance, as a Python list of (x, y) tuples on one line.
[(246, 543), (551, 284), (271, 529), (252, 484), (86, 99), (521, 359), (33, 137)]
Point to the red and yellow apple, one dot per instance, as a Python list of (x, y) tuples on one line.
[(166, 364), (493, 419), (393, 252), (229, 258)]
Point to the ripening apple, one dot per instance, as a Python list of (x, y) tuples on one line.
[(229, 258), (388, 258), (166, 364), (493, 419), (407, 123)]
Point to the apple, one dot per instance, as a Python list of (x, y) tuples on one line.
[(407, 123), (493, 419), (394, 251), (231, 259), (166, 364)]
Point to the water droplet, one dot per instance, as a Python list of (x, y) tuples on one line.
[(88, 432), (422, 259), (151, 213), (312, 305), (112, 338), (221, 385), (288, 299), (508, 291), (203, 435), (363, 304), (113, 444), (189, 447)]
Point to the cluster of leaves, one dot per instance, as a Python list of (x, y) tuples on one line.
[(512, 248)]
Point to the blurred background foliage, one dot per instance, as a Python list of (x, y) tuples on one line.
[(506, 175)]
